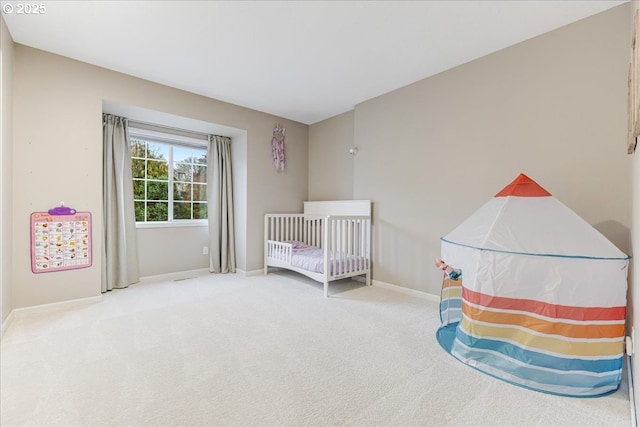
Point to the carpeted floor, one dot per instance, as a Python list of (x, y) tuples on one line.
[(229, 350)]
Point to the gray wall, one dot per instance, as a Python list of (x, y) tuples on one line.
[(58, 157), (330, 164), (6, 169), (171, 249), (430, 154)]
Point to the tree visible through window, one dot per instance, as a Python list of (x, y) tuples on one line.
[(169, 181)]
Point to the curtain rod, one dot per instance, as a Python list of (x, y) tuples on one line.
[(133, 122)]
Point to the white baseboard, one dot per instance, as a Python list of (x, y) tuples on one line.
[(6, 323), (407, 291), (177, 275), (35, 309), (259, 272), (250, 272)]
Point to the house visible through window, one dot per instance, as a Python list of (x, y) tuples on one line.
[(169, 179)]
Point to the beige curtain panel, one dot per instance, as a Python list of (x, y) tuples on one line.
[(120, 246), (220, 206)]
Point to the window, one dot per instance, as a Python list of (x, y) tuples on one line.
[(169, 179)]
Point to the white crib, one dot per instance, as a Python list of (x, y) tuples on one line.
[(329, 241)]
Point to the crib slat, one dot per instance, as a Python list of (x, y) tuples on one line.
[(272, 222), (357, 239), (336, 248), (352, 242), (312, 234), (315, 232), (343, 246), (332, 248)]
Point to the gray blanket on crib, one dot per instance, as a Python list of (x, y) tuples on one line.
[(311, 258)]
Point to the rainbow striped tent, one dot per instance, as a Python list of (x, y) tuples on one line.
[(542, 298)]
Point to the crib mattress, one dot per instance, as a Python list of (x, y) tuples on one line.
[(311, 258)]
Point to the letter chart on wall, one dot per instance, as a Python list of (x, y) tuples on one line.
[(60, 240)]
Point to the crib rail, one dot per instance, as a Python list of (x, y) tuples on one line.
[(279, 250), (299, 227), (283, 227), (349, 245)]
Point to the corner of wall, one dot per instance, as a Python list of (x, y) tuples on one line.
[(240, 171), (633, 296), (6, 172), (331, 165)]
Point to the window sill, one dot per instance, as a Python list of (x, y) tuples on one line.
[(173, 224)]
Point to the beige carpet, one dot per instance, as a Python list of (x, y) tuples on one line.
[(260, 351)]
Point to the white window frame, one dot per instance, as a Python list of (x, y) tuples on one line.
[(172, 140)]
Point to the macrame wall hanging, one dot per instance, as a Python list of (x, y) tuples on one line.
[(277, 148)]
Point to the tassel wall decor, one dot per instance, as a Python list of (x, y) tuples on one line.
[(277, 148)]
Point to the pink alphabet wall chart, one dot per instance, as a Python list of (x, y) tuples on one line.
[(60, 240)]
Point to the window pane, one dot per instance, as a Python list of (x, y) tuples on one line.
[(157, 211), (182, 191), (137, 168), (199, 211), (201, 157), (137, 148), (182, 154), (139, 208), (157, 190), (199, 173), (157, 169), (181, 210), (138, 189), (200, 192), (157, 151), (182, 172)]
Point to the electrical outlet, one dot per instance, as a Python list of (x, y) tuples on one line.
[(630, 341), (205, 250)]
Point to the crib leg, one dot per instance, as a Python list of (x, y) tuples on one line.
[(326, 289), (368, 279)]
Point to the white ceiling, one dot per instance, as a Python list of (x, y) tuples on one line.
[(302, 60)]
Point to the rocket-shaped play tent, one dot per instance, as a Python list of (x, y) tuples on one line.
[(541, 302)]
